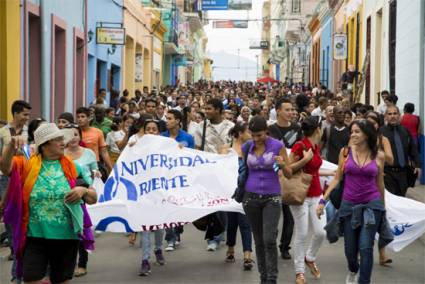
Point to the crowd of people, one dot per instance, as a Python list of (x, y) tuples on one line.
[(47, 172)]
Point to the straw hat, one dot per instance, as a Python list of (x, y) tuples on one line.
[(46, 132), (68, 135)]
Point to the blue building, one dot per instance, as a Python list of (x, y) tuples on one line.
[(104, 61), (53, 53), (172, 58), (326, 56)]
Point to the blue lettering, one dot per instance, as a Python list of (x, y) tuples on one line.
[(144, 163), (154, 160), (144, 188), (128, 170), (163, 161), (210, 162), (164, 183), (154, 184), (183, 181), (196, 160), (185, 161)]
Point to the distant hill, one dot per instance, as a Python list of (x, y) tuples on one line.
[(225, 67)]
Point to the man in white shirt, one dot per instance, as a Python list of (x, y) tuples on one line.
[(211, 136), (320, 110)]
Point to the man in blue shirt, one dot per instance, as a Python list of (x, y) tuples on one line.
[(174, 120)]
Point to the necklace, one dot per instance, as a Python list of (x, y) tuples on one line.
[(358, 159)]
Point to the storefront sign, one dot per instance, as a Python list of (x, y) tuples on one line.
[(110, 36), (340, 46)]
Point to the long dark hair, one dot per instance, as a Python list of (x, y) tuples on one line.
[(139, 124), (369, 130), (235, 131), (184, 121)]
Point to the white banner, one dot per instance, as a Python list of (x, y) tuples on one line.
[(156, 184)]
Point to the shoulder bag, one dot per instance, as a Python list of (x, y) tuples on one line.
[(243, 175), (294, 190)]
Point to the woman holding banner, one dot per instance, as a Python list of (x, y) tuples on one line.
[(362, 210), (151, 127), (240, 135), (262, 200)]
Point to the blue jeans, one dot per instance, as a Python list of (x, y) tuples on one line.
[(360, 240), (330, 211), (235, 219), (173, 234), (146, 243)]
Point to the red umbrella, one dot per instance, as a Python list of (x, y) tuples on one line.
[(267, 80)]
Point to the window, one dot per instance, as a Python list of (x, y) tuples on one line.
[(296, 6)]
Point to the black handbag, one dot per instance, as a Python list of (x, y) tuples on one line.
[(243, 175), (336, 195)]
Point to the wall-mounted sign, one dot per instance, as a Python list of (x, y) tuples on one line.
[(230, 24), (138, 72), (340, 46), (214, 5), (157, 61), (106, 35), (240, 4), (258, 44)]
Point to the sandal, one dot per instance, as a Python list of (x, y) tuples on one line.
[(132, 239), (230, 257), (79, 272), (300, 278), (385, 262), (247, 264)]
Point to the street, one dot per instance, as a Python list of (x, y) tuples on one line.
[(115, 262)]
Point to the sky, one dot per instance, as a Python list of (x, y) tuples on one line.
[(230, 40)]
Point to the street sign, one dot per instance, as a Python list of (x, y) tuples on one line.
[(259, 44), (106, 35), (215, 5)]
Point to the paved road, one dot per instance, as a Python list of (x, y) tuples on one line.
[(115, 262)]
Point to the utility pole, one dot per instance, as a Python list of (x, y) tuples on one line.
[(239, 59), (256, 75)]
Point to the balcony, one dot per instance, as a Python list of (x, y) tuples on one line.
[(171, 45)]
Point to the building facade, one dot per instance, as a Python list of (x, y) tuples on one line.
[(10, 56), (104, 63)]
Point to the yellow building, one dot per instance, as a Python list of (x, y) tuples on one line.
[(10, 60), (354, 30), (158, 29), (137, 54)]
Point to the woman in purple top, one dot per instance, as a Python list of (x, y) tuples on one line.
[(362, 208), (262, 200)]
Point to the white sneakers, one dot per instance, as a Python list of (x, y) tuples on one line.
[(352, 278), (212, 246), (170, 247)]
